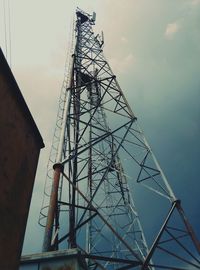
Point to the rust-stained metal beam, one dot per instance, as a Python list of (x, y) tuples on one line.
[(52, 207), (188, 226)]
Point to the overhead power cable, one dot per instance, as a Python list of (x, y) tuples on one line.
[(5, 27), (7, 30)]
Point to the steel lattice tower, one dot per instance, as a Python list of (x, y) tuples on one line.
[(99, 156)]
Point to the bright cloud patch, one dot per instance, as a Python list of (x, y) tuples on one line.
[(195, 2), (171, 30), (121, 65), (124, 40)]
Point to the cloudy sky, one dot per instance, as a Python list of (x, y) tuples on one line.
[(153, 47)]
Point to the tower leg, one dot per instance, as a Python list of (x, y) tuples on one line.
[(52, 207)]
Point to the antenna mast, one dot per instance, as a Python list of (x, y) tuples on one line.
[(100, 157)]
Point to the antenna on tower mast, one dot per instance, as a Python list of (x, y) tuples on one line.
[(102, 158)]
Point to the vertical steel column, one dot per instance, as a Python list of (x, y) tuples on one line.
[(89, 237), (52, 207), (58, 168), (72, 221)]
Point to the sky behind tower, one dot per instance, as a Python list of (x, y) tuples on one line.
[(153, 47)]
